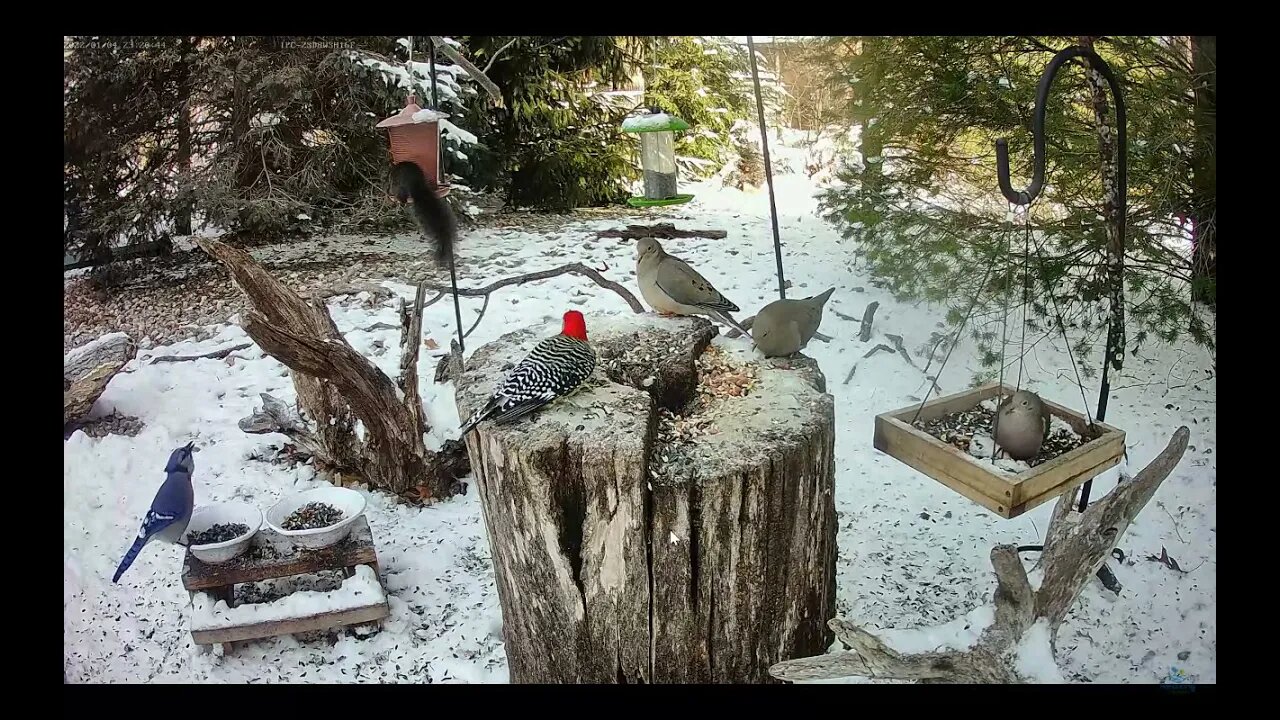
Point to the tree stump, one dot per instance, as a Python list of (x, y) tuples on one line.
[(655, 527)]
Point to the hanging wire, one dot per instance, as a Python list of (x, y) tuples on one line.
[(1026, 289), (1004, 336), (1062, 326), (955, 340)]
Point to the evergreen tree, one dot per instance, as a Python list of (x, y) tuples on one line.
[(919, 196), (699, 80)]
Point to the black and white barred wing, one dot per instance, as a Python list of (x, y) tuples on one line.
[(554, 368)]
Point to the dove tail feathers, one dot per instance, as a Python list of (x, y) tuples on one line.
[(727, 319)]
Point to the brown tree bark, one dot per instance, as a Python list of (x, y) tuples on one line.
[(1105, 123), (1204, 216), (623, 555), (338, 387), (88, 369)]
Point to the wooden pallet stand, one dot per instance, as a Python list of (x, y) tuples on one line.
[(1006, 494), (362, 599)]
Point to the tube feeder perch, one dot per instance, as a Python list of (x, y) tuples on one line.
[(657, 158), (415, 137)]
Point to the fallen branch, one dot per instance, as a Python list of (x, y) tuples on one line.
[(1077, 544), (842, 316), (868, 315), (379, 326), (377, 291), (276, 417), (215, 355), (661, 231), (877, 349), (574, 268), (849, 377), (897, 344)]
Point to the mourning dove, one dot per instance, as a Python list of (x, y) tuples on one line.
[(1022, 425), (671, 287), (785, 327)]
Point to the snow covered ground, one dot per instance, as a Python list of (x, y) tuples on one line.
[(912, 554)]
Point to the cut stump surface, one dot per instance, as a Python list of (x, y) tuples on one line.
[(660, 526)]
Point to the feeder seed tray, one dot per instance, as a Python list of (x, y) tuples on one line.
[(1005, 493)]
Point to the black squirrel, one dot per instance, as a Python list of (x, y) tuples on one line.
[(433, 213)]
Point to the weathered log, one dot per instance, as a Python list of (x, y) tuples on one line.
[(661, 231), (868, 317), (88, 369), (623, 554), (337, 386), (1077, 545)]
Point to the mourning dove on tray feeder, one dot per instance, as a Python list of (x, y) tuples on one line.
[(1022, 425)]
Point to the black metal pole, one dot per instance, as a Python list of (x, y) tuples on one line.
[(431, 64), (1114, 352), (768, 169), (1115, 349)]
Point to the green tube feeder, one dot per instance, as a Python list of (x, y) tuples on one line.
[(657, 158)]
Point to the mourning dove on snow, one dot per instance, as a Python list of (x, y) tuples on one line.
[(671, 287), (1022, 425), (785, 327)]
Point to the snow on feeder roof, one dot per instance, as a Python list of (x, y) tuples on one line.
[(657, 157), (415, 137), (657, 122)]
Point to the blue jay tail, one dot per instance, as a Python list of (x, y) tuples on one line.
[(129, 557)]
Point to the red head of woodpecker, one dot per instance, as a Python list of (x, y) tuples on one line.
[(574, 325)]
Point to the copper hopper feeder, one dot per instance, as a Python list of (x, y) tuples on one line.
[(417, 141)]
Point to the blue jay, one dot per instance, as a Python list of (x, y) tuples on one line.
[(170, 511)]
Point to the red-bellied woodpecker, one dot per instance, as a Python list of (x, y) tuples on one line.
[(554, 368)]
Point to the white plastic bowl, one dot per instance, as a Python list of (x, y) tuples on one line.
[(350, 502), (206, 516)]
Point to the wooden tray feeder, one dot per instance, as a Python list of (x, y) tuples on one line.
[(1003, 492), (417, 141), (273, 556)]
